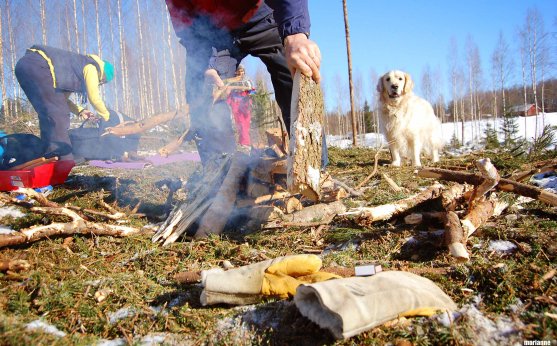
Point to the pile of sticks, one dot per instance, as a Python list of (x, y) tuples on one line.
[(465, 205)]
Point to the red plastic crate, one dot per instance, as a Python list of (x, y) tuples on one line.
[(52, 173)]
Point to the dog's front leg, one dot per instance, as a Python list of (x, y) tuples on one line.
[(435, 155), (416, 150), (395, 156)]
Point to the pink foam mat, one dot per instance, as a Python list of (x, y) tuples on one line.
[(155, 160)]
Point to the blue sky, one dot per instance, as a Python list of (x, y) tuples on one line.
[(411, 34)]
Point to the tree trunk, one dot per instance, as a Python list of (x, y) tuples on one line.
[(43, 21), (351, 86), (76, 26), (172, 62)]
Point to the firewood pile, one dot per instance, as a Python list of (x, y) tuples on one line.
[(253, 187), (464, 206)]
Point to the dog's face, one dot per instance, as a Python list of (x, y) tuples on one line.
[(395, 84)]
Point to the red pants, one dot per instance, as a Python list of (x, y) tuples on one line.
[(240, 103)]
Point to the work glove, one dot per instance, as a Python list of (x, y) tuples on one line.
[(249, 284), (353, 305)]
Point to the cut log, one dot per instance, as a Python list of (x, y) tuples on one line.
[(306, 137), (264, 217), (135, 127), (214, 220), (368, 215), (315, 213), (491, 179), (452, 196), (503, 185), (455, 237), (428, 218)]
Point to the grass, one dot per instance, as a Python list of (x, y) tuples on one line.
[(144, 300)]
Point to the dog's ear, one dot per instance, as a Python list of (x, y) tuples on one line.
[(408, 83), (380, 85)]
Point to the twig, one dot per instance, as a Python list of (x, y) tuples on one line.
[(375, 167), (392, 183)]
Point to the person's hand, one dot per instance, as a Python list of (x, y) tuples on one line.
[(213, 77), (303, 54), (88, 115)]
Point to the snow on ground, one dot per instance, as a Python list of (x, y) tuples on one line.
[(473, 133)]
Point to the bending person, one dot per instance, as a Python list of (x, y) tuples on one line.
[(48, 76)]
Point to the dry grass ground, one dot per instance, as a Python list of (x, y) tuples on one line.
[(507, 289)]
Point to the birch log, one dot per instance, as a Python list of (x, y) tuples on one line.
[(503, 185), (306, 133), (368, 215)]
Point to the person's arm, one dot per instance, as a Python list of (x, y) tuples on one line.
[(293, 20), (91, 76), (75, 109)]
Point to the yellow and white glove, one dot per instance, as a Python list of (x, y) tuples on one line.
[(250, 284)]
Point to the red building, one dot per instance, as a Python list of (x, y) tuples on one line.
[(529, 109)]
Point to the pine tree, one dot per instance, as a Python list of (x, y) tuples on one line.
[(455, 142), (509, 127), (490, 139)]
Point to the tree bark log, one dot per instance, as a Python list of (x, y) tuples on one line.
[(503, 185), (306, 136)]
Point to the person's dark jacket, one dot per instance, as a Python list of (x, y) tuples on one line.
[(292, 16)]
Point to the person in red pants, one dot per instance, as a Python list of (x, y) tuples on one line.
[(240, 103)]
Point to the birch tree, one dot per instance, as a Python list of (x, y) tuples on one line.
[(43, 21), (533, 27), (76, 30), (350, 83), (502, 65)]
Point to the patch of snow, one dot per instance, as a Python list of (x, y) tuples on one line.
[(473, 133), (6, 230), (503, 331), (502, 246), (121, 314), (546, 181), (42, 326), (113, 342), (11, 211)]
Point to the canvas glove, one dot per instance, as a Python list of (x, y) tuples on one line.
[(250, 284), (353, 305)]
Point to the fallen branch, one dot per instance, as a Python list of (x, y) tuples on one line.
[(18, 265), (375, 168), (503, 185), (77, 225), (348, 189), (394, 186), (368, 215), (491, 179)]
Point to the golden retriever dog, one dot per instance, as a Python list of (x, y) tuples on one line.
[(407, 121)]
